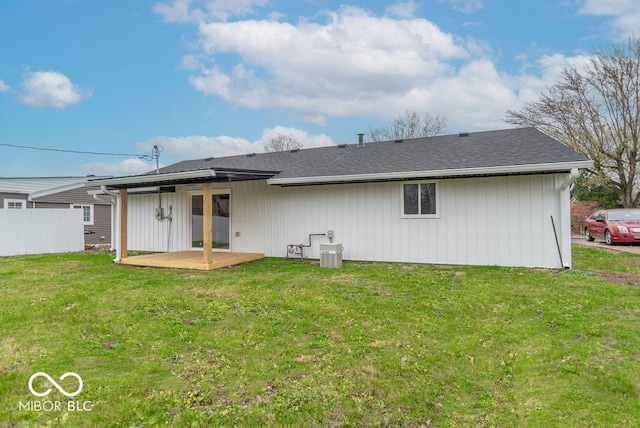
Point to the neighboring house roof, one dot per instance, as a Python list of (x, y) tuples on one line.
[(510, 151), (37, 187), (35, 184)]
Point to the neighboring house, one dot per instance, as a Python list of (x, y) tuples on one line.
[(61, 193), (482, 198)]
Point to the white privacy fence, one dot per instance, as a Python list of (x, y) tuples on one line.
[(40, 231)]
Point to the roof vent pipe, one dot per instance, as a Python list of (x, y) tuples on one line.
[(360, 140)]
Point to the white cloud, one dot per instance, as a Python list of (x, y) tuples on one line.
[(403, 9), (478, 95), (475, 98), (610, 7), (546, 71), (50, 89), (241, 87), (352, 64), (308, 141), (190, 62), (199, 146), (624, 14), (200, 10), (178, 11), (223, 9), (4, 87), (465, 6), (552, 65), (130, 166)]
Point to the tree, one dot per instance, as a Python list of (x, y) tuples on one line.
[(283, 143), (597, 112), (589, 188), (409, 125)]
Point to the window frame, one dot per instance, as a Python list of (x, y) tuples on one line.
[(91, 213), (420, 215), (7, 201)]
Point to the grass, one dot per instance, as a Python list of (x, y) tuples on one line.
[(287, 343)]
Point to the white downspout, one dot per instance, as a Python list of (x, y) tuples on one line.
[(565, 217), (115, 221), (569, 181)]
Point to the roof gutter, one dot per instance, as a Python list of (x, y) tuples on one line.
[(406, 175), (53, 190), (136, 180)]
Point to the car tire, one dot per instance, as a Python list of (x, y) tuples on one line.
[(588, 236), (607, 237)]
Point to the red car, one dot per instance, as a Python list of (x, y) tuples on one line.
[(614, 226)]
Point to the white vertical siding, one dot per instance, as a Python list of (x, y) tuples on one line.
[(483, 221), (148, 234)]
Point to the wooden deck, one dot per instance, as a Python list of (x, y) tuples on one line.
[(190, 260)]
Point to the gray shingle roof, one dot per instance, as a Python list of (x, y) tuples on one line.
[(487, 149)]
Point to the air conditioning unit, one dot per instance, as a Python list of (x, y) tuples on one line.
[(331, 255)]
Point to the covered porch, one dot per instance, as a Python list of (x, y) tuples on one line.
[(205, 259), (191, 260)]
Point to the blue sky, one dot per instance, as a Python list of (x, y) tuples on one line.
[(207, 78)]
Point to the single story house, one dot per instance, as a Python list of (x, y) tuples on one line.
[(61, 193), (482, 198)]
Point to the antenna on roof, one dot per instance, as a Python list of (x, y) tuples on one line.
[(155, 154)]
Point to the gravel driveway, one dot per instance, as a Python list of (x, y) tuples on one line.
[(579, 240)]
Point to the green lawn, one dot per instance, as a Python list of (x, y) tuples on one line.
[(287, 343)]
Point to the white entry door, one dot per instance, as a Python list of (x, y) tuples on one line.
[(220, 221)]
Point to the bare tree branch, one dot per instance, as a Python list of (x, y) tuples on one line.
[(597, 113), (283, 143), (409, 125)]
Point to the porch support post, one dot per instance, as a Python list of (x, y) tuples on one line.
[(123, 223), (207, 211)]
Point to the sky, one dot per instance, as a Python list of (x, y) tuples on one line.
[(202, 78)]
